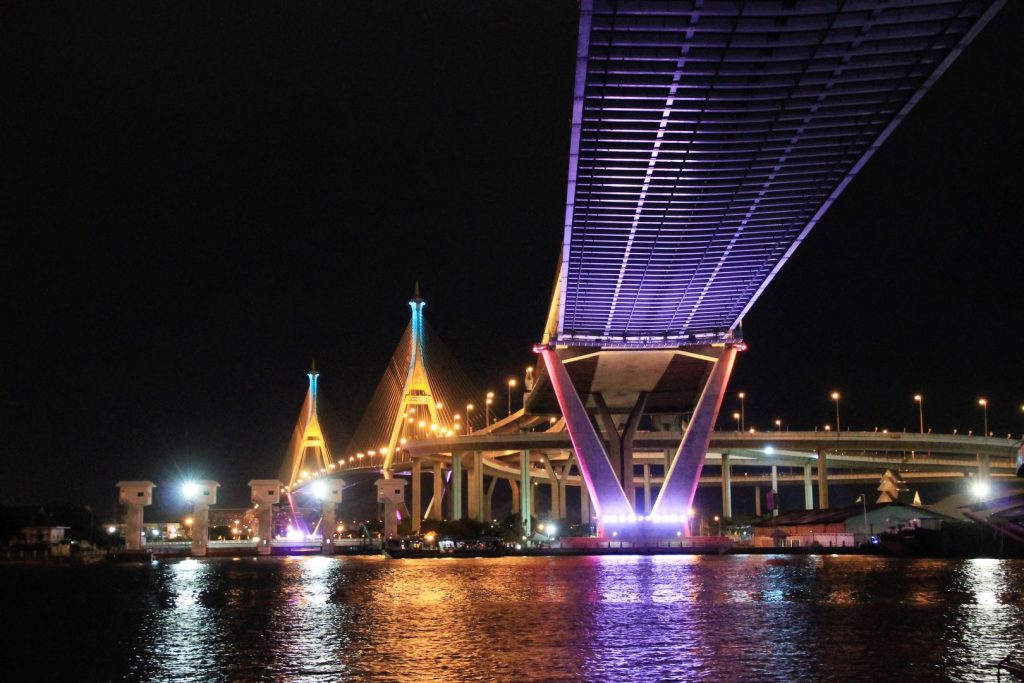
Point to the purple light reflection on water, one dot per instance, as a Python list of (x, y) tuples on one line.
[(592, 618)]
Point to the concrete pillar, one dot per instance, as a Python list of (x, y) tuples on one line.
[(596, 470), (456, 498), (628, 477), (822, 481), (514, 485), (553, 485), (984, 467), (775, 490), (489, 500), (134, 495), (757, 501), (477, 487), (436, 507), (562, 488), (726, 487), (265, 494), (584, 505), (473, 495), (647, 489), (525, 493), (328, 491), (391, 492), (417, 495), (808, 488), (676, 495), (203, 496)]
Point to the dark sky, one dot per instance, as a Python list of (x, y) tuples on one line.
[(198, 199)]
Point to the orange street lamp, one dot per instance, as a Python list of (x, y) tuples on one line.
[(743, 412), (835, 397), (983, 402), (736, 416), (511, 383), (778, 425), (920, 409)]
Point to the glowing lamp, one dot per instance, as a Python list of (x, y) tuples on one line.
[(189, 490)]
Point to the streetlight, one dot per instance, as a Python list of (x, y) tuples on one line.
[(835, 397), (743, 412), (469, 408), (736, 416), (920, 409), (778, 425), (487, 408), (983, 402), (511, 383)]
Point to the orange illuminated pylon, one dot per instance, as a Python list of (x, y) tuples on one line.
[(308, 454), (416, 388)]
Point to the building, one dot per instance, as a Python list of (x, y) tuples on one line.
[(44, 535), (842, 528)]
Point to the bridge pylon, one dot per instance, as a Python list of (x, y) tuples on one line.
[(308, 454), (416, 393)]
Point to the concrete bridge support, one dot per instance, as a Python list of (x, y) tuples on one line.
[(553, 481), (757, 501), (605, 490), (330, 496), (514, 485), (489, 500), (808, 488), (676, 495), (726, 487), (525, 493), (203, 497), (456, 497), (584, 506), (265, 494), (648, 501), (775, 490), (477, 487), (135, 496), (435, 510), (822, 481), (417, 495)]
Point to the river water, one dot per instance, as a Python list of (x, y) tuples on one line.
[(728, 618)]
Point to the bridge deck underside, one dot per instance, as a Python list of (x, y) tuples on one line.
[(707, 142)]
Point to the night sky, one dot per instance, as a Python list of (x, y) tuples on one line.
[(199, 199)]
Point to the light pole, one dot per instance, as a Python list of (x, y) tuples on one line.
[(778, 425), (487, 408), (469, 409), (743, 412), (983, 402), (835, 397), (920, 409), (736, 416), (511, 383)]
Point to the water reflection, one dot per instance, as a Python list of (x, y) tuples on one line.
[(611, 618)]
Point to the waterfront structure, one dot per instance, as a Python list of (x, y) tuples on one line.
[(134, 496), (203, 494), (845, 527), (265, 494)]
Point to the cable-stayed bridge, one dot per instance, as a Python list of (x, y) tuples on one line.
[(706, 140)]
